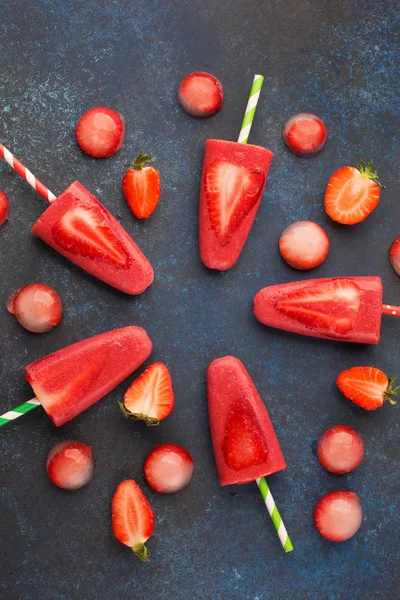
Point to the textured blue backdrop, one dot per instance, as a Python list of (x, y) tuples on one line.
[(338, 59)]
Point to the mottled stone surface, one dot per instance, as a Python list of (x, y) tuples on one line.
[(338, 59)]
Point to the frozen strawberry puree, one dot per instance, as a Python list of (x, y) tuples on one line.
[(70, 380), (232, 184), (82, 230), (244, 441), (343, 308)]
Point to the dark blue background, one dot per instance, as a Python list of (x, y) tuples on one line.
[(338, 59)]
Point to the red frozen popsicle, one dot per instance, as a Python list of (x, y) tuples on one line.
[(70, 380), (82, 230), (244, 441), (233, 180), (348, 309)]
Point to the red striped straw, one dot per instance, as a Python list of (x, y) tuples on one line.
[(27, 175)]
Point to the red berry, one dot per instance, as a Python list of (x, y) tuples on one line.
[(200, 94), (3, 208), (100, 132), (304, 245), (340, 449), (304, 134), (37, 307), (141, 186), (338, 515), (394, 255), (70, 465), (168, 468)]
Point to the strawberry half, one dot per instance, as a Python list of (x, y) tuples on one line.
[(367, 387), (243, 444), (330, 305), (352, 194), (338, 515), (132, 518), (82, 231), (232, 191), (141, 186), (3, 208), (150, 398), (394, 255)]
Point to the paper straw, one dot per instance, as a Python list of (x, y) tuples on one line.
[(26, 174), (250, 109), (261, 482), (20, 410), (274, 514)]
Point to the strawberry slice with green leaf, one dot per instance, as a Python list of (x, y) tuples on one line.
[(243, 444), (232, 191), (328, 305), (367, 387), (132, 518), (150, 398), (84, 231)]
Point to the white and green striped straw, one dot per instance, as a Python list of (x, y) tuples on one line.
[(262, 482), (274, 514), (250, 109), (18, 411)]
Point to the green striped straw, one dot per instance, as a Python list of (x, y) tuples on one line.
[(262, 482), (250, 109), (20, 410), (274, 514)]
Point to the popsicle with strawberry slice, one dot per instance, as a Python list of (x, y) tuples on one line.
[(70, 380), (245, 444), (232, 184), (79, 227), (346, 309)]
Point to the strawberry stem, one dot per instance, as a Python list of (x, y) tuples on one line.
[(391, 391), (367, 171), (140, 161), (141, 552), (127, 414)]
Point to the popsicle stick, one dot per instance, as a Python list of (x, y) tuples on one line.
[(18, 411), (388, 309), (26, 174), (250, 109), (274, 514)]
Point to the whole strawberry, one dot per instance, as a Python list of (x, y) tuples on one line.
[(141, 186), (367, 387)]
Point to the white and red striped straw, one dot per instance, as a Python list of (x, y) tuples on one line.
[(26, 174)]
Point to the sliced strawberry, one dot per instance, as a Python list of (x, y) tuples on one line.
[(304, 245), (352, 194), (304, 134), (394, 255), (200, 94), (84, 231), (232, 191), (338, 515), (37, 307), (329, 305), (168, 468), (150, 398), (141, 186), (3, 208), (100, 132), (243, 444), (367, 386), (70, 465), (132, 518), (340, 449)]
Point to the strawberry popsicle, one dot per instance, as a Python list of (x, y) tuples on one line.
[(348, 309), (232, 184), (244, 441), (70, 380), (82, 230)]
